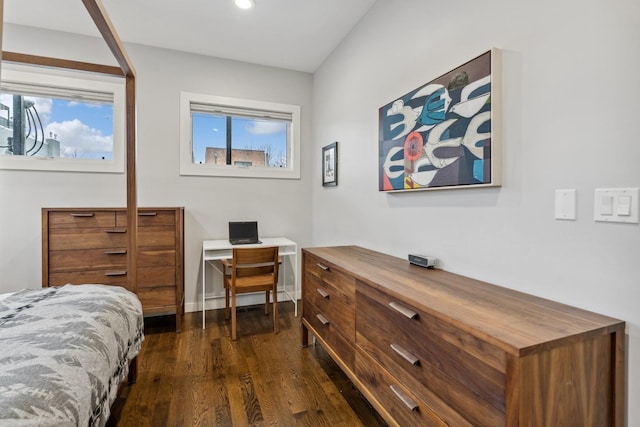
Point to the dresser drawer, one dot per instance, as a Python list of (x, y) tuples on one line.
[(156, 236), (332, 304), (156, 276), (158, 299), (87, 259), (82, 219), (155, 257), (332, 278), (98, 276), (436, 360), (87, 238), (149, 218), (403, 405), (323, 326)]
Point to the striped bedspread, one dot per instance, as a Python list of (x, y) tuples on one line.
[(63, 352)]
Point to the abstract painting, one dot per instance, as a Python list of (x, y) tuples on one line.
[(446, 133)]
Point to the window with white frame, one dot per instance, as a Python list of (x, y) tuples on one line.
[(61, 120), (223, 136)]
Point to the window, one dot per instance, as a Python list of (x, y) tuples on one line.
[(235, 137), (74, 121)]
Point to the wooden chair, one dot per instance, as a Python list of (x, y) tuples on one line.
[(251, 270)]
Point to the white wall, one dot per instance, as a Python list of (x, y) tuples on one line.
[(570, 115), (282, 207)]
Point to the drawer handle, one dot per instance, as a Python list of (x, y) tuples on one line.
[(408, 402), (410, 314), (82, 215), (322, 266), (322, 319), (116, 252), (405, 354), (116, 273), (117, 230), (322, 292), (147, 214)]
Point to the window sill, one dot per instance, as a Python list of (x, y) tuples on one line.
[(238, 171)]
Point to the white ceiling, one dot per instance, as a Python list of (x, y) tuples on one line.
[(291, 34)]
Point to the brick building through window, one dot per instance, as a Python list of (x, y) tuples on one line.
[(218, 156)]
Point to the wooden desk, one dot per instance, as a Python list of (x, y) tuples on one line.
[(216, 250)]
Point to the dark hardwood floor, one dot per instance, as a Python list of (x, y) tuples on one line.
[(202, 378)]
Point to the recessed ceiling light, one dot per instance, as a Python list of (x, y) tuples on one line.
[(245, 4)]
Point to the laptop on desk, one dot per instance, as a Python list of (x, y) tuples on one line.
[(243, 232)]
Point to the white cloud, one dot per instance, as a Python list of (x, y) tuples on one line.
[(258, 127), (78, 140), (43, 105)]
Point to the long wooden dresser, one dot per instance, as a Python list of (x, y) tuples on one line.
[(431, 348), (89, 245)]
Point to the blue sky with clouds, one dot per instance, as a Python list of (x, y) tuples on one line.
[(85, 130), (210, 131)]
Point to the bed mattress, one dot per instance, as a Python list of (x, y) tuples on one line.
[(63, 353)]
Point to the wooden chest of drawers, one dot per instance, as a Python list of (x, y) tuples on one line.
[(89, 245), (435, 348)]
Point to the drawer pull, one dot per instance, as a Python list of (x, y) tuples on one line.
[(116, 273), (322, 292), (116, 230), (410, 314), (82, 215), (408, 402), (322, 319), (405, 354), (147, 214), (322, 266), (116, 252)]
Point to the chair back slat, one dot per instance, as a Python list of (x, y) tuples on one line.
[(254, 271), (255, 261)]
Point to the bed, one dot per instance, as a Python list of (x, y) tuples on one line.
[(64, 351)]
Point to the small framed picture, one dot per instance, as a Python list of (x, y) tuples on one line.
[(330, 165)]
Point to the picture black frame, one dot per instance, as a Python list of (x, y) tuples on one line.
[(330, 165)]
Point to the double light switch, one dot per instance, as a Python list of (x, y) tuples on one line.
[(616, 205)]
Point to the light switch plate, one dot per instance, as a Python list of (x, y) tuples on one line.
[(616, 205), (565, 204)]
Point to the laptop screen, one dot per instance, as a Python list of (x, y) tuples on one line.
[(243, 231)]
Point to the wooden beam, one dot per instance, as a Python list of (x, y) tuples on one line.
[(132, 195), (45, 61), (103, 23)]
